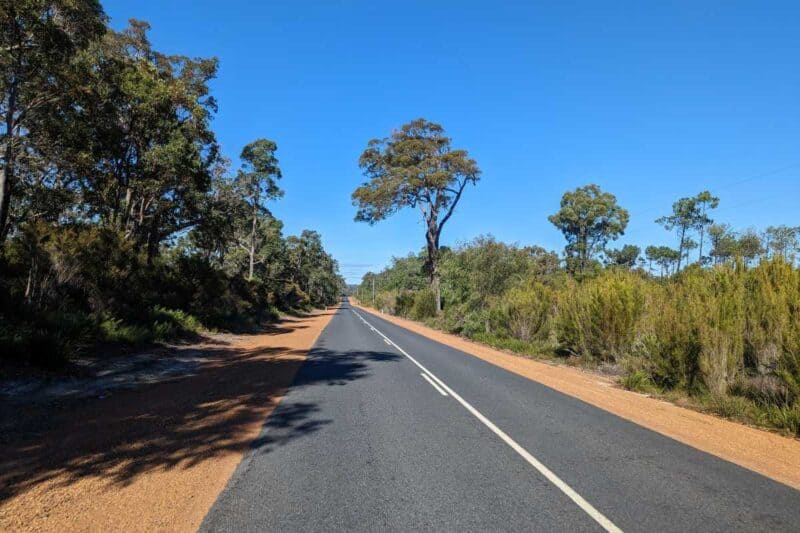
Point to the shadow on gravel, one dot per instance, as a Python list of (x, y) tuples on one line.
[(174, 424)]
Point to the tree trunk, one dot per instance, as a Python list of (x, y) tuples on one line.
[(680, 248), (584, 251), (253, 245), (6, 175), (152, 245), (432, 238), (29, 285), (9, 162), (128, 210), (702, 233), (437, 291)]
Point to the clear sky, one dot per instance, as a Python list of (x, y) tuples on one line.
[(650, 100)]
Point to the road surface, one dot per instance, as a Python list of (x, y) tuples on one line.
[(384, 429)]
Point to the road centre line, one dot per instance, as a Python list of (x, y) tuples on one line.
[(433, 384), (588, 508)]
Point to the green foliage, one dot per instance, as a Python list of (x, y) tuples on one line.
[(588, 218), (727, 335), (256, 183), (663, 256), (639, 381), (404, 273), (386, 302), (689, 215), (126, 225), (750, 246), (36, 53), (724, 244), (424, 305), (783, 241), (526, 311), (161, 325), (502, 342), (719, 295), (415, 167), (404, 303), (692, 333), (482, 269), (113, 330), (46, 340), (772, 333), (597, 319), (625, 257)]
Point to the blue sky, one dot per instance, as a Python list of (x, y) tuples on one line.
[(650, 100)]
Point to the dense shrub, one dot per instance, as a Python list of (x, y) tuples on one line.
[(666, 349), (424, 305), (525, 312), (404, 303), (598, 319), (385, 302), (64, 289), (772, 311), (729, 334), (692, 333)]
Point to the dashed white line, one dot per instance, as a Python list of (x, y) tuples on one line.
[(433, 384), (588, 508)]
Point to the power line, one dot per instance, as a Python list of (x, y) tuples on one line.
[(722, 209), (729, 185)]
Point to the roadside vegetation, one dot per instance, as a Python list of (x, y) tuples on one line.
[(713, 323), (120, 219)]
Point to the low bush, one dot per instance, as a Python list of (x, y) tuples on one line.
[(424, 305), (728, 335), (598, 319), (525, 312), (159, 325), (404, 303)]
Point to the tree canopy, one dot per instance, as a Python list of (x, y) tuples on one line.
[(689, 215), (588, 218), (37, 44)]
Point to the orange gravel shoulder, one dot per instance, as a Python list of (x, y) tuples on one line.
[(767, 453), (154, 458)]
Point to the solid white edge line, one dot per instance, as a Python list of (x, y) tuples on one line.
[(588, 508), (433, 384)]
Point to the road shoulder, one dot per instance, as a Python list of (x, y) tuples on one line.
[(767, 453), (153, 458)]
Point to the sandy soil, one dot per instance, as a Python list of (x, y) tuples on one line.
[(767, 453), (154, 458)]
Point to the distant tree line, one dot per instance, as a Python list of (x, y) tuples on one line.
[(120, 220), (590, 219)]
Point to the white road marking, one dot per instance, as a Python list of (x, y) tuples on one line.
[(433, 384), (387, 342), (588, 508)]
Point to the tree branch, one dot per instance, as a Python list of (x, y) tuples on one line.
[(452, 207)]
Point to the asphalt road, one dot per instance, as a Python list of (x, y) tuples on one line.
[(384, 429)]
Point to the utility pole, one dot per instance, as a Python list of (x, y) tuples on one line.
[(373, 291)]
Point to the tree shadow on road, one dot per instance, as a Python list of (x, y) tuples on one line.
[(176, 424)]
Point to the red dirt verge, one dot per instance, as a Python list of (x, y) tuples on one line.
[(154, 458)]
